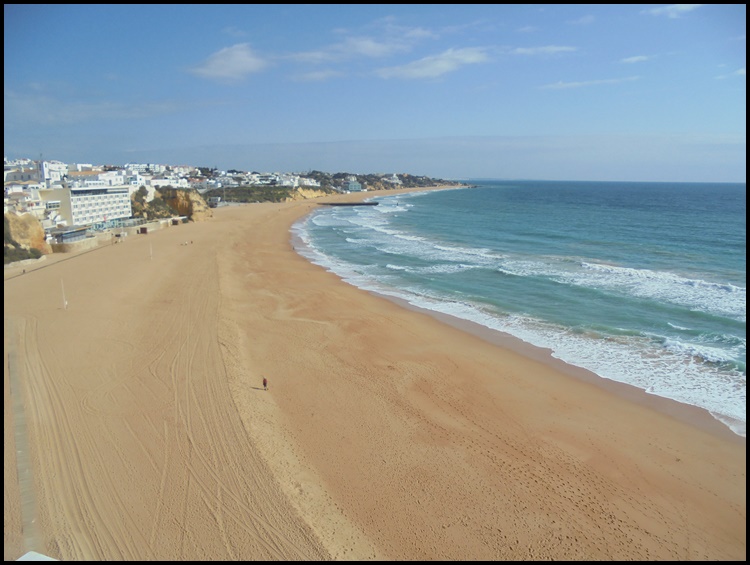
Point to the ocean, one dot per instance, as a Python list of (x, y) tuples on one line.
[(641, 283)]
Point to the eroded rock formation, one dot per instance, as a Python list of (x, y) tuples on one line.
[(27, 231), (186, 203)]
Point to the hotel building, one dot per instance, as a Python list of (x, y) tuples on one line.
[(90, 205)]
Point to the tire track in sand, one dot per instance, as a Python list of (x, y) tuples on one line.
[(208, 439)]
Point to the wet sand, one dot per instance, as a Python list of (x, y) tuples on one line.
[(139, 415)]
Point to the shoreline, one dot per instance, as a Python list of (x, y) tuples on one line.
[(385, 433), (629, 430), (694, 415)]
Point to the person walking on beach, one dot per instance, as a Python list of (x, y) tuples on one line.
[(265, 383)]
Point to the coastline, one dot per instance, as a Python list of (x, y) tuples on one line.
[(696, 419), (385, 433), (693, 415)]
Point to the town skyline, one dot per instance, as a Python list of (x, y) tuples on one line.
[(51, 172)]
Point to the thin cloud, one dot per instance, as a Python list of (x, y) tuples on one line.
[(231, 64), (527, 29), (672, 11), (416, 33), (585, 20), (481, 25), (388, 27), (363, 46), (737, 73), (436, 65), (545, 50), (45, 110), (394, 31), (234, 32), (368, 47), (316, 57), (563, 85), (636, 59), (317, 76), (351, 48), (384, 38)]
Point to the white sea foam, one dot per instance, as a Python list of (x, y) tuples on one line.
[(329, 220), (392, 207), (706, 353), (669, 372), (739, 427), (440, 269), (392, 241), (633, 360), (357, 241), (720, 299), (723, 299), (689, 366), (699, 295), (486, 257)]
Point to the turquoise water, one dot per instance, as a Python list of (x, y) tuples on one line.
[(642, 283)]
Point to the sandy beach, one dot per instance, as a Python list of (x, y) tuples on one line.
[(136, 426)]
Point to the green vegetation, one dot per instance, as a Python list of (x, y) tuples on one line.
[(375, 181), (329, 183), (139, 196), (207, 171), (157, 208), (255, 193), (323, 178)]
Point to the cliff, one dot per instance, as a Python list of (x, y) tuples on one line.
[(186, 203), (301, 193), (27, 231)]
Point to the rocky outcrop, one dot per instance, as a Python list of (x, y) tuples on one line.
[(27, 231), (305, 193), (186, 203)]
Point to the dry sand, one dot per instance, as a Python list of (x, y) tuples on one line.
[(136, 427)]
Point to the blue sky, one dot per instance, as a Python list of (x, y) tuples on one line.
[(645, 92)]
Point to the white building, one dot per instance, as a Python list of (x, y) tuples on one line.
[(146, 168), (174, 182), (267, 178), (17, 163), (204, 184), (352, 186), (304, 181), (52, 172), (86, 206), (26, 200), (287, 179), (183, 170), (79, 179), (80, 167), (21, 174), (21, 186), (112, 178), (136, 179)]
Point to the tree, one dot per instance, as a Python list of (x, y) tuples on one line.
[(140, 195)]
